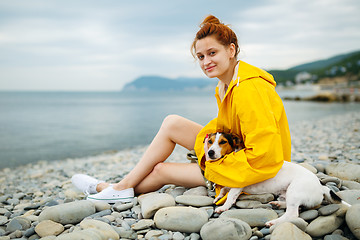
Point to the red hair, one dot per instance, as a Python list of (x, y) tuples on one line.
[(211, 26)]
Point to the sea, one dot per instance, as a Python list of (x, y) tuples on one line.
[(52, 126)]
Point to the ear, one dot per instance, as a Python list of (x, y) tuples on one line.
[(232, 50), (238, 142)]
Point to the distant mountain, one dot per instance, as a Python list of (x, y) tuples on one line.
[(345, 64), (341, 65), (157, 83)]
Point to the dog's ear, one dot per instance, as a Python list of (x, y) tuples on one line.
[(238, 142)]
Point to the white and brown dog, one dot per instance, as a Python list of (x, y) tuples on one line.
[(293, 183)]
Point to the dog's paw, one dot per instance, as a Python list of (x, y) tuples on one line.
[(278, 204), (269, 223), (221, 209)]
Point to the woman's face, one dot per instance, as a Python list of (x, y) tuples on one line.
[(214, 58)]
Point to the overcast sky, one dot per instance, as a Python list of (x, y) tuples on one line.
[(96, 45)]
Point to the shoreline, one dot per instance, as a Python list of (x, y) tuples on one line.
[(115, 154)]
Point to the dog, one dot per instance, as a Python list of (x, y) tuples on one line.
[(293, 183)]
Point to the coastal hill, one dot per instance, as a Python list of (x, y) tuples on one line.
[(344, 68), (157, 83)]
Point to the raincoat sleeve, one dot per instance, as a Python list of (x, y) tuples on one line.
[(262, 156)]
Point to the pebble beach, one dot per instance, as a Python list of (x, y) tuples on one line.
[(38, 201)]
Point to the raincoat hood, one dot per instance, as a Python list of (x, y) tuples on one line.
[(250, 108), (246, 72)]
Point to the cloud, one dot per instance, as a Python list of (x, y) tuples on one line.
[(92, 45)]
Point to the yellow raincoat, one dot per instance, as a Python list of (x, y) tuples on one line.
[(252, 109)]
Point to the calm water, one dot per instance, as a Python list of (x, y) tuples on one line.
[(53, 126)]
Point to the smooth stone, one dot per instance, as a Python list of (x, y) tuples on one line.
[(254, 217), (72, 212), (194, 200), (226, 228), (352, 185), (194, 236), (350, 196), (324, 225), (100, 214), (198, 191), (88, 234), (122, 206), (300, 223), (352, 219), (18, 223), (248, 204), (328, 209), (335, 237), (182, 219), (177, 191), (334, 180), (101, 206), (178, 236), (143, 224), (288, 230), (309, 215), (150, 203), (48, 228), (105, 229), (308, 167), (3, 220), (263, 198), (346, 171), (29, 232), (153, 234)]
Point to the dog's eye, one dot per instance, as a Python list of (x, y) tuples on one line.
[(223, 142), (210, 141)]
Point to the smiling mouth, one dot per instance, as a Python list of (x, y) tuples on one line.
[(208, 69)]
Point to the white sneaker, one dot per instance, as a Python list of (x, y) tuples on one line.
[(85, 183), (110, 195)]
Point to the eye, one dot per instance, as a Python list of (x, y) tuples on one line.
[(223, 142), (212, 53), (210, 141), (200, 57)]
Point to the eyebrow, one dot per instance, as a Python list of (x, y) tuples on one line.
[(210, 49)]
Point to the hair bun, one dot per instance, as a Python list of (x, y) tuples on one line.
[(210, 19)]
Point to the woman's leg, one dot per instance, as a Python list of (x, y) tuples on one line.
[(145, 177)]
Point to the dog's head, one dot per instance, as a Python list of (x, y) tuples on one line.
[(220, 144)]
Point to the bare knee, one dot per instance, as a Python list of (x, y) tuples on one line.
[(171, 122), (160, 171)]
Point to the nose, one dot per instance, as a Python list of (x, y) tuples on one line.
[(207, 60), (211, 153)]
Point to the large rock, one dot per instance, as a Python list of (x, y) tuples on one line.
[(104, 229), (350, 196), (352, 185), (194, 200), (352, 219), (152, 202), (226, 228), (182, 219), (288, 230), (88, 234), (263, 198), (18, 223), (346, 171), (72, 212), (48, 228), (324, 225), (254, 217)]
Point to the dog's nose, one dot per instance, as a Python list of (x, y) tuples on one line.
[(211, 153)]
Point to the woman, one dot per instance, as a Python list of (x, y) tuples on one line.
[(248, 106)]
